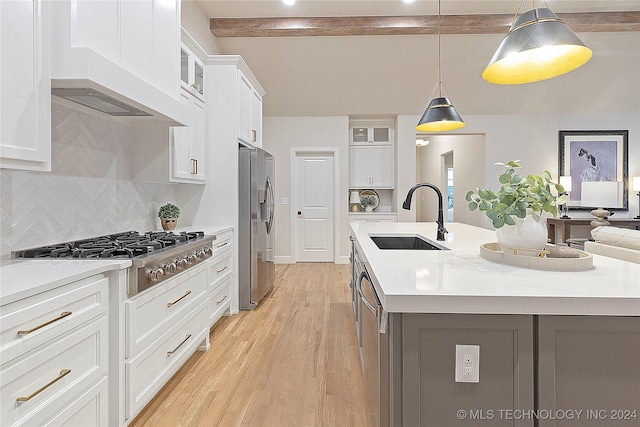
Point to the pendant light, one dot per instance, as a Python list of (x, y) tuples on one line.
[(538, 46), (440, 115)]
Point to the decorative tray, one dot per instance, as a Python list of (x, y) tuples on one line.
[(492, 252)]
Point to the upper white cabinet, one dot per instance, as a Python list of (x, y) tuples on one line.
[(371, 155), (191, 72), (25, 85), (249, 112), (186, 145), (365, 133), (371, 166)]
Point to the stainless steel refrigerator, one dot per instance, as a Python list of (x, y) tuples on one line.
[(255, 225)]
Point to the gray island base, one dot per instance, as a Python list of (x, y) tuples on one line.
[(537, 365)]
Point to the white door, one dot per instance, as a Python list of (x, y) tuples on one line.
[(313, 207)]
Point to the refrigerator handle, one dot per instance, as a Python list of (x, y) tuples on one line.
[(270, 204)]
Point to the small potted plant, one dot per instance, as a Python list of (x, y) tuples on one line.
[(168, 215), (516, 209), (368, 202)]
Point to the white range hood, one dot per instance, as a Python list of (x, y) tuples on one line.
[(114, 90), (118, 57)]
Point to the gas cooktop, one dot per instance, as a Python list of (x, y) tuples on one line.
[(128, 244)]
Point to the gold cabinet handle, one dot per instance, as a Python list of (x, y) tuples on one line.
[(63, 373), (221, 245), (169, 304), (223, 298), (194, 166), (62, 316), (222, 269), (169, 353), (254, 135)]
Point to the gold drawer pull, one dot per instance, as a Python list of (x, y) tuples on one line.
[(223, 298), (169, 304), (254, 135), (223, 244), (63, 373), (222, 269), (169, 353), (62, 316)]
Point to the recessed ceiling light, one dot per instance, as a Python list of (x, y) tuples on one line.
[(408, 1), (288, 2)]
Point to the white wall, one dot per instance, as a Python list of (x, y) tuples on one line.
[(279, 135), (531, 138), (196, 23)]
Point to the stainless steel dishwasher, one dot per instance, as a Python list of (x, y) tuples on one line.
[(372, 324)]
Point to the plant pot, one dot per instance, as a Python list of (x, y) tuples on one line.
[(529, 232), (169, 223), (368, 209)]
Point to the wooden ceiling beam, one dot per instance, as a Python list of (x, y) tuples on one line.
[(410, 25)]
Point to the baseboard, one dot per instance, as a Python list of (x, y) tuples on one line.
[(283, 260), (343, 260)]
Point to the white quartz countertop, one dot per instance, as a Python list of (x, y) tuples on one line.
[(460, 281), (22, 278)]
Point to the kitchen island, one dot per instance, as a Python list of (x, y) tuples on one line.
[(549, 341)]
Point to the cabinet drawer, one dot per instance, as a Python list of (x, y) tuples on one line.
[(220, 301), (89, 409), (222, 244), (33, 321), (147, 372), (42, 378), (218, 271), (150, 313)]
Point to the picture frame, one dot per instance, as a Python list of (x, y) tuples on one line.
[(594, 155)]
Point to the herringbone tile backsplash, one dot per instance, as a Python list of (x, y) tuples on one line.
[(88, 192)]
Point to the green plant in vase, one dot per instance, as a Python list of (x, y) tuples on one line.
[(169, 215), (520, 202), (368, 202)]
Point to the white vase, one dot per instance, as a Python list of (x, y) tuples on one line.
[(368, 209), (529, 232)]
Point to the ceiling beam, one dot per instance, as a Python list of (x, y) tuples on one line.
[(410, 25)]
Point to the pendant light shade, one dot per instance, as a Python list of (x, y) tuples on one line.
[(440, 115), (538, 46)]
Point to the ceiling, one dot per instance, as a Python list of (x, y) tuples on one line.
[(367, 75)]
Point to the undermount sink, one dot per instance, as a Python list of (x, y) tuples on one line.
[(412, 243)]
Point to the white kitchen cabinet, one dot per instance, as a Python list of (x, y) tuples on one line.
[(373, 217), (164, 326), (25, 86), (191, 72), (220, 277), (186, 144), (55, 356), (366, 133), (371, 166), (249, 112)]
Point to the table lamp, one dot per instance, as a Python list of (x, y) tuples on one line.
[(601, 194), (354, 199), (636, 187), (565, 181)]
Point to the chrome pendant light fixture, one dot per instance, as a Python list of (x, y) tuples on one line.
[(440, 115), (538, 46)]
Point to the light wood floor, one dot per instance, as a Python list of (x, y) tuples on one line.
[(294, 361)]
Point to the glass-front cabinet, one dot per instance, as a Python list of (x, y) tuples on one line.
[(362, 134), (191, 72)]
